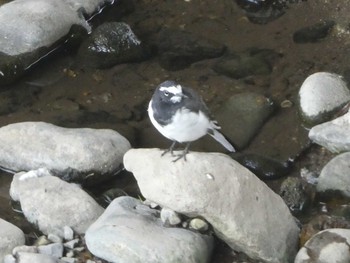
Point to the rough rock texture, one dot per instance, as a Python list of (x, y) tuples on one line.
[(10, 237), (335, 175), (333, 135), (243, 211), (330, 245), (111, 44), (129, 231), (321, 94), (28, 146), (52, 204)]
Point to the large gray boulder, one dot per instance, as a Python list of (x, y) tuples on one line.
[(10, 237), (129, 231), (243, 211), (51, 203), (28, 146)]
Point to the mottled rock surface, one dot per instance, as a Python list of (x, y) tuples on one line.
[(129, 231), (241, 208), (51, 204)]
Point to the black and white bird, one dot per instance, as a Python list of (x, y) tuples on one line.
[(180, 115)]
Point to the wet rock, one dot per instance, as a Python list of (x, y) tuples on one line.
[(11, 236), (215, 187), (313, 33), (81, 154), (46, 201), (296, 194), (248, 63), (333, 135), (243, 115), (320, 95), (319, 223), (335, 175), (331, 245), (264, 11), (179, 49), (282, 138), (33, 28), (263, 167), (111, 44), (127, 223)]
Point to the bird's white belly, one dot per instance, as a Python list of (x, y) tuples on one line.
[(186, 126)]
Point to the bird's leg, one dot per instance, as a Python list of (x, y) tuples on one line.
[(183, 155), (171, 149)]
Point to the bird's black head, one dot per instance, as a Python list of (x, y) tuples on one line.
[(170, 92)]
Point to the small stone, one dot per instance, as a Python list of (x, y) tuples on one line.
[(69, 260), (54, 238), (72, 243), (29, 249), (42, 240), (68, 233), (335, 175), (313, 33), (79, 249), (333, 135), (55, 250), (321, 95), (199, 225), (170, 217), (296, 194), (9, 259), (330, 245), (70, 254)]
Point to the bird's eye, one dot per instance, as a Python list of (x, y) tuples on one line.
[(166, 93)]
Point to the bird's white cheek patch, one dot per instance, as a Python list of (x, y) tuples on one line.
[(175, 99), (172, 89)]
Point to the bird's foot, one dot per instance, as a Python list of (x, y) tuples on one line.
[(171, 149), (183, 154)]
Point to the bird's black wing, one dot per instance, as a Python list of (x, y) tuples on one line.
[(194, 102)]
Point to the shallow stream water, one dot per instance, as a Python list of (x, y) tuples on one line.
[(62, 92)]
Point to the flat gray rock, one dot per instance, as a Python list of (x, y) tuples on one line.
[(243, 211), (11, 237), (321, 94), (330, 245), (335, 175), (28, 146), (51, 203), (129, 231), (333, 135)]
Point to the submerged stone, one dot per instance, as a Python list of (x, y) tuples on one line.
[(313, 33), (243, 115), (179, 49), (111, 44)]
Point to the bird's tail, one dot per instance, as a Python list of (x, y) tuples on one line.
[(219, 137)]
